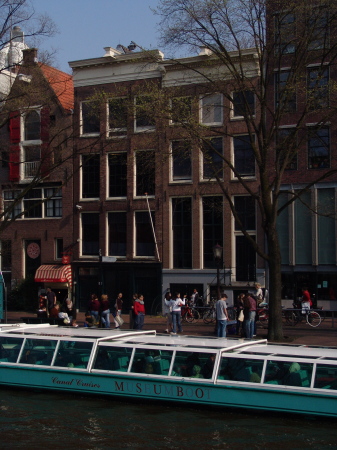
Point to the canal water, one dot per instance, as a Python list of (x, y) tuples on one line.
[(30, 419)]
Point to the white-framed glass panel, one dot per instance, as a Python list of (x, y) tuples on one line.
[(326, 221), (318, 87), (117, 233), (303, 229), (144, 113), (286, 148), (213, 224), (31, 160), (145, 173), (145, 245), (90, 176), (90, 234), (211, 109), (285, 91), (12, 203), (181, 109), (318, 28), (212, 152), (32, 126), (32, 204), (117, 163), (244, 159), (117, 116), (90, 118), (318, 148), (182, 232), (181, 160), (243, 104), (285, 33)]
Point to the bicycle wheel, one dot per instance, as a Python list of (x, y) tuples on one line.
[(263, 319), (313, 319), (290, 318), (189, 317), (196, 314), (209, 316)]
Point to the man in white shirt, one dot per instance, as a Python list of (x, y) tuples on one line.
[(221, 316)]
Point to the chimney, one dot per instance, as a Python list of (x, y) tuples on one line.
[(30, 56)]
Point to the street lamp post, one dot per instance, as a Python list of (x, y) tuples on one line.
[(217, 253)]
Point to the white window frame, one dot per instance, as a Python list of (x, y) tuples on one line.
[(24, 144), (202, 162), (114, 132), (82, 134), (180, 181), (202, 98), (134, 250), (141, 128)]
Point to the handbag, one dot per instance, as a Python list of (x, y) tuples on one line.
[(241, 316), (119, 320)]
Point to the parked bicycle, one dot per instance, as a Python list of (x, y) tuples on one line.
[(189, 314), (293, 317)]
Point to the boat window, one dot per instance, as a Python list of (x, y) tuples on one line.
[(73, 354), (38, 351), (241, 369), (113, 358), (10, 349), (288, 373), (326, 377), (193, 364), (155, 362)]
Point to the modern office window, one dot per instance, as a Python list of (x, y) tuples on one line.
[(145, 172), (285, 33), (243, 104), (53, 202), (285, 91), (117, 116), (286, 148), (303, 229), (211, 109), (144, 114), (117, 233), (181, 109), (182, 232), (245, 255), (212, 152), (318, 148), (90, 234), (212, 209), (117, 174), (90, 176), (244, 160), (145, 245), (318, 87), (181, 154), (90, 118), (283, 228)]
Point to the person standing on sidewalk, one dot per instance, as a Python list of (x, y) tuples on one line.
[(176, 304), (139, 310), (221, 316), (51, 299)]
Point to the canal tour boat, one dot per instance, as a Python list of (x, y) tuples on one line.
[(187, 369)]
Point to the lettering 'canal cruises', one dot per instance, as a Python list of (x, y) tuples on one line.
[(209, 371)]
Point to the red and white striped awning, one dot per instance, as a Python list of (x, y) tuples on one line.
[(50, 273)]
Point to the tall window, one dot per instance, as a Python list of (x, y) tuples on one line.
[(32, 128), (181, 160), (145, 173), (12, 203), (181, 109), (53, 202), (31, 144), (6, 255), (58, 248), (117, 174), (285, 33), (145, 245), (90, 234), (182, 232), (318, 29), (303, 229), (90, 118), (318, 87), (245, 256), (318, 148), (286, 148), (90, 176), (32, 204), (243, 103), (326, 226), (244, 160), (212, 208), (211, 109), (117, 116), (285, 91), (212, 151), (144, 119), (117, 233)]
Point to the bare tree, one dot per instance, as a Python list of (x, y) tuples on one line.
[(286, 39)]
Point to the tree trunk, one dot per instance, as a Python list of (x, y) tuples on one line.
[(275, 328)]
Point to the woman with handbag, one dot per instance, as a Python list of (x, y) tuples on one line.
[(239, 314)]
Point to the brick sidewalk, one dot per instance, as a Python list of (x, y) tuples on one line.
[(302, 334)]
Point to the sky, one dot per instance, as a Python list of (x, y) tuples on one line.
[(87, 26)]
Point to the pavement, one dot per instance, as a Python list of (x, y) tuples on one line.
[(325, 335)]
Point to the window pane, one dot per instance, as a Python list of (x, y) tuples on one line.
[(326, 377), (182, 232), (285, 33), (117, 233), (326, 226), (212, 158), (319, 148), (90, 118), (144, 112), (90, 233), (286, 148), (38, 351), (155, 362), (32, 126), (73, 354), (211, 109), (32, 203), (303, 230), (245, 259), (318, 88), (285, 91), (90, 176), (113, 358), (288, 373), (117, 174), (245, 208), (181, 108), (10, 349), (243, 103), (118, 114), (181, 160), (193, 365), (283, 229), (144, 235), (244, 160), (145, 173), (241, 369), (212, 227)]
